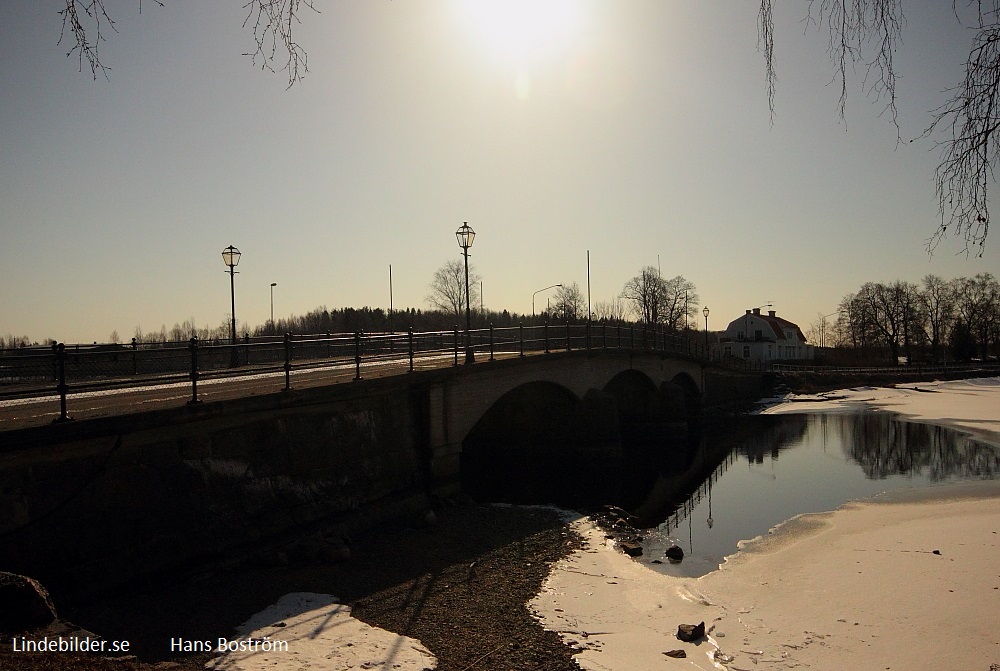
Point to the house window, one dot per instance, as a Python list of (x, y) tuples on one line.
[(758, 335), (746, 351), (729, 349)]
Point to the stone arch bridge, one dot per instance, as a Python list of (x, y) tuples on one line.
[(194, 483)]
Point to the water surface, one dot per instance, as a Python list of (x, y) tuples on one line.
[(783, 465)]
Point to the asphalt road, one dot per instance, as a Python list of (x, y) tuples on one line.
[(44, 409)]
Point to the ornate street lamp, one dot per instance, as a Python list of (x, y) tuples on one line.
[(231, 257), (465, 236), (705, 312)]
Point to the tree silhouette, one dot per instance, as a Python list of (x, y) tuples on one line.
[(448, 288)]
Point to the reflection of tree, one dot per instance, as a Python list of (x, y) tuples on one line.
[(771, 435), (883, 445)]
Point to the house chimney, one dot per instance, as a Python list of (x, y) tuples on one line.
[(770, 313), (756, 311), (748, 312)]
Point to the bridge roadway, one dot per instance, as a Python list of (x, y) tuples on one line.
[(40, 410)]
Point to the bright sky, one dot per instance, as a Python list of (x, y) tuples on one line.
[(638, 130)]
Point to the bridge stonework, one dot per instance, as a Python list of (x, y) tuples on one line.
[(92, 503), (458, 403)]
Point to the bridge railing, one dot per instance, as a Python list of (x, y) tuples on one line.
[(904, 369), (62, 370)]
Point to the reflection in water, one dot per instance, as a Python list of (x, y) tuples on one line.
[(770, 468)]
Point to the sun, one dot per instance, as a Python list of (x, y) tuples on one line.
[(521, 29)]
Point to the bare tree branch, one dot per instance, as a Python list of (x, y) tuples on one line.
[(83, 18), (765, 41), (971, 118), (273, 24), (865, 34)]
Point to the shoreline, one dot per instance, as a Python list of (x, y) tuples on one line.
[(894, 582)]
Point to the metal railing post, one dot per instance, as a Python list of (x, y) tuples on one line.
[(357, 355), (456, 344), (588, 334), (604, 335), (520, 333), (246, 347), (491, 342), (135, 357), (193, 347), (568, 345), (545, 330), (288, 362), (60, 353), (410, 347)]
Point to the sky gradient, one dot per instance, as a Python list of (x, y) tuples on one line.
[(637, 130)]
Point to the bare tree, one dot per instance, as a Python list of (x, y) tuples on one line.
[(937, 301), (448, 288), (646, 291), (977, 305), (86, 24), (884, 311), (680, 302), (863, 36), (614, 310), (569, 301)]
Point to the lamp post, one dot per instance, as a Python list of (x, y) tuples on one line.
[(538, 292), (231, 257), (465, 236), (705, 312), (822, 328), (273, 285)]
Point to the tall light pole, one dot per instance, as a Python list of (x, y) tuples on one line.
[(231, 257), (538, 292), (273, 285), (705, 312), (822, 328), (465, 236)]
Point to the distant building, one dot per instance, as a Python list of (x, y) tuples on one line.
[(764, 338)]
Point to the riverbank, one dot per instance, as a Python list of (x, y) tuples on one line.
[(458, 586), (878, 585)]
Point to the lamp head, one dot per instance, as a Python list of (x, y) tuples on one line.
[(465, 235), (231, 256)]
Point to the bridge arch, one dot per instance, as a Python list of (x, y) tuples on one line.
[(692, 394), (611, 385), (541, 443)]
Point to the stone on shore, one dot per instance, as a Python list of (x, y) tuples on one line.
[(24, 603), (690, 632)]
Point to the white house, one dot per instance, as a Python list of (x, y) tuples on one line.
[(764, 338)]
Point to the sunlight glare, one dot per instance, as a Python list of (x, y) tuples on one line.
[(521, 29)]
